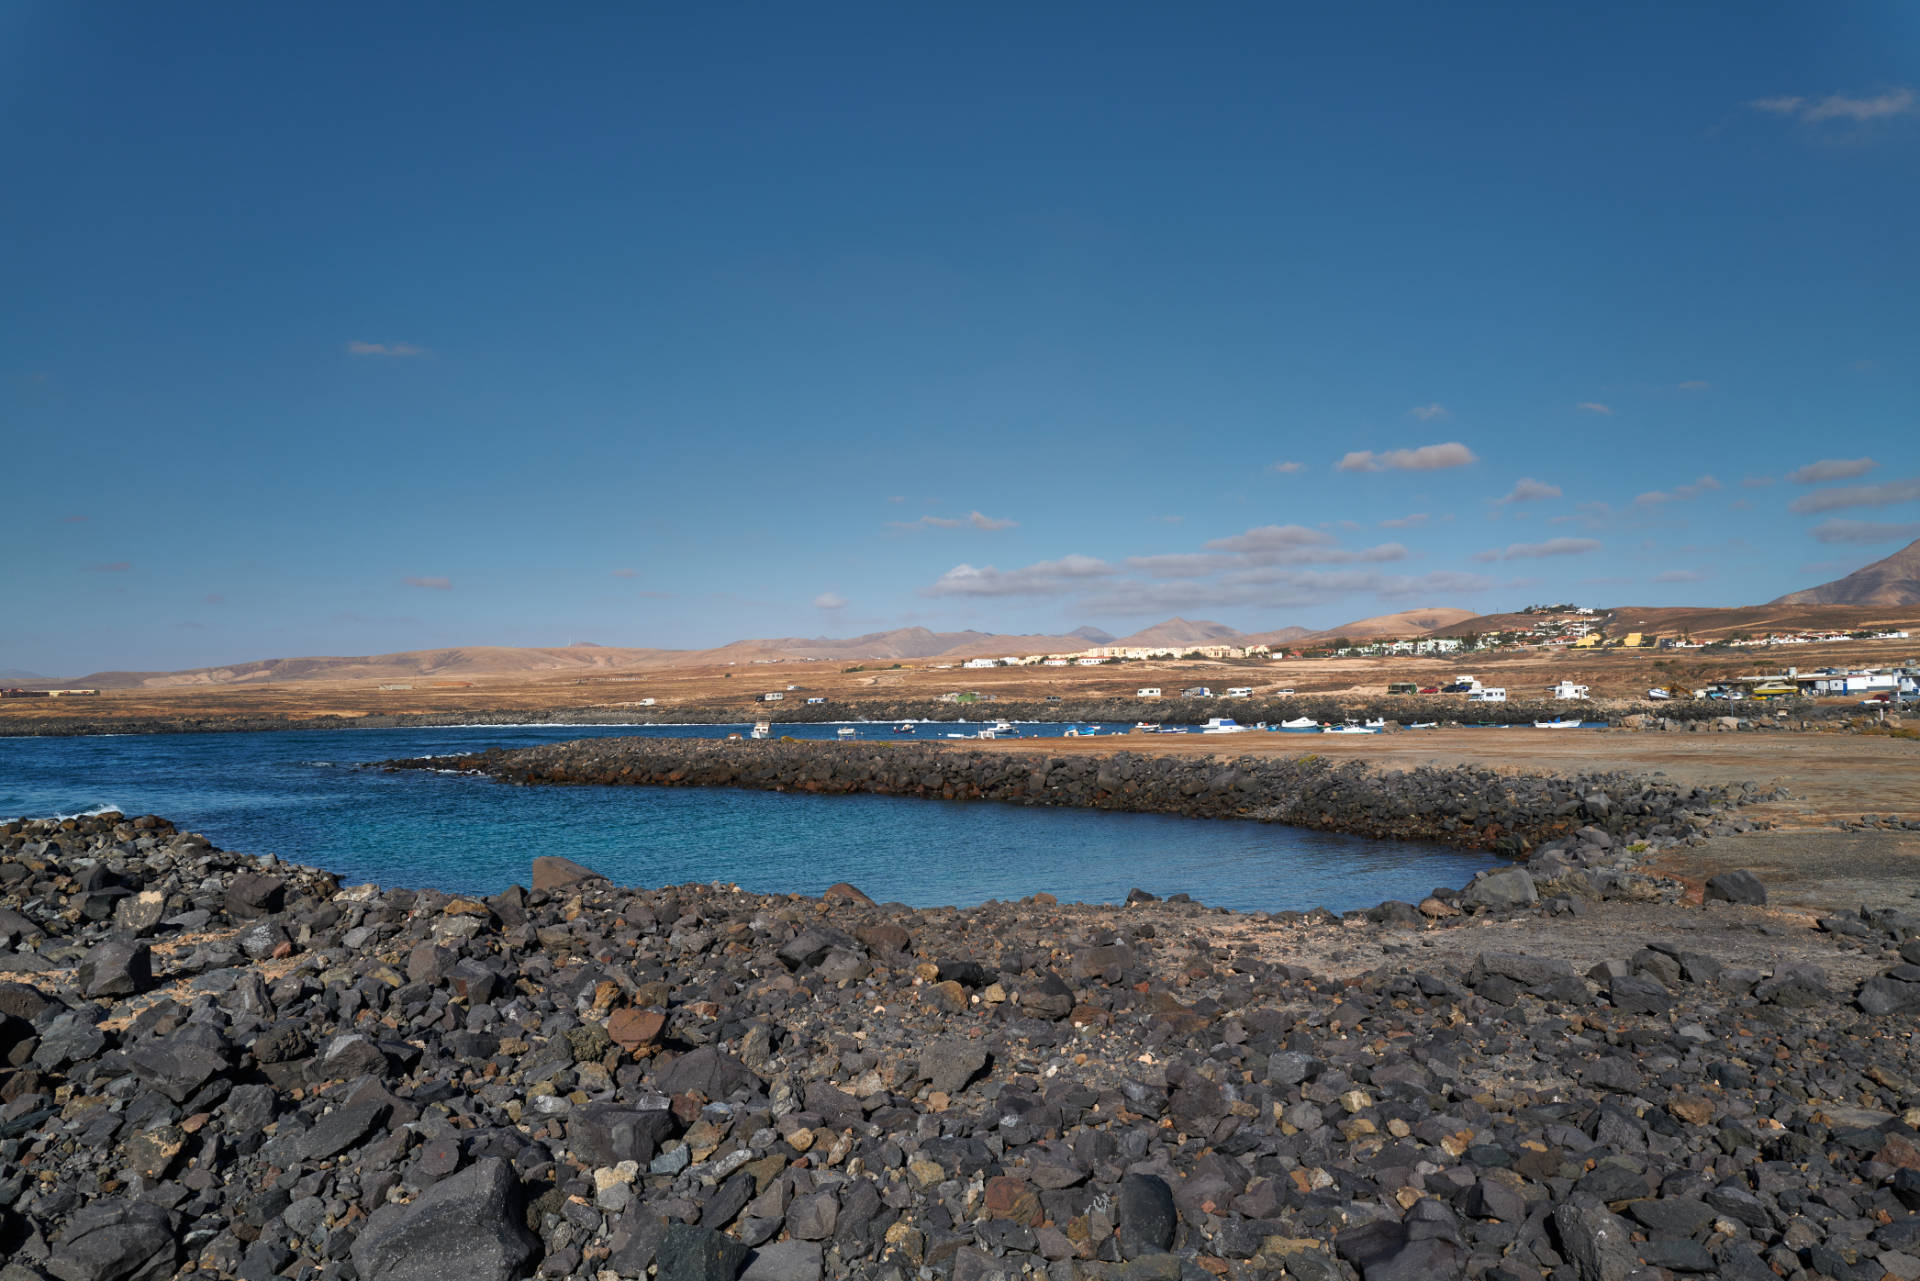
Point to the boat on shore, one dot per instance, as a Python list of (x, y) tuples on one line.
[(1424, 725), (761, 729), (1300, 725), (1562, 723), (1348, 729), (1222, 725)]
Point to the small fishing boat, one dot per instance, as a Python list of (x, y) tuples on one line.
[(1379, 722), (904, 727), (847, 731), (1424, 725), (761, 729), (1348, 729), (1074, 731), (1222, 725), (1562, 723), (1301, 725), (1144, 727)]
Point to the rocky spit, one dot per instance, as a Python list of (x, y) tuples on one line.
[(227, 1065), (1476, 808)]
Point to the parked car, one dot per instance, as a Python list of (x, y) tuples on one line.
[(1430, 689)]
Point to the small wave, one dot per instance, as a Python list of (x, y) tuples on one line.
[(102, 808)]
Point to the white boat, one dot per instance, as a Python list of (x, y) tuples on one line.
[(761, 729), (1074, 731), (847, 731), (1349, 729), (904, 727), (1222, 725), (1003, 729), (1424, 725), (1144, 727), (1377, 723), (1301, 725), (1659, 695), (1562, 723)]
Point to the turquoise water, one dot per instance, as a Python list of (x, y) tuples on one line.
[(304, 797)]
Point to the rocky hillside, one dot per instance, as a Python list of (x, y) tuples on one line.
[(1892, 581)]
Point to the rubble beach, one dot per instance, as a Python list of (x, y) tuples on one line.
[(222, 1064)]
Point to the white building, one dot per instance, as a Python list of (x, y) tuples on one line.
[(1147, 691), (981, 662), (1568, 690)]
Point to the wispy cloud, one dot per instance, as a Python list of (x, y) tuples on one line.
[(1271, 539), (111, 567), (1885, 494), (385, 349), (1427, 413), (1678, 494), (1695, 384), (432, 583), (1756, 482), (972, 520), (1406, 522), (1043, 578), (1831, 469), (1534, 551), (1287, 468), (1681, 576), (1529, 490), (1595, 407), (829, 600), (1866, 531), (1839, 106), (1425, 458)]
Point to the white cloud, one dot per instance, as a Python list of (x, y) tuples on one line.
[(1681, 576), (1595, 407), (1427, 413), (1529, 490), (1287, 468), (1679, 493), (1866, 531), (432, 583), (1533, 551), (1839, 106), (829, 600), (1885, 494), (972, 520), (1425, 458), (1268, 539), (1040, 579), (385, 349), (1831, 469), (1406, 522)]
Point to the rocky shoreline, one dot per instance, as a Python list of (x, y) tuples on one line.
[(1677, 717), (221, 1064), (1473, 808)]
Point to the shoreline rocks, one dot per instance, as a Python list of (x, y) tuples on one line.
[(588, 1081), (1462, 806)]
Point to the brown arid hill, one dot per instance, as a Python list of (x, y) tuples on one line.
[(1181, 631), (901, 643), (1893, 581), (1410, 622), (1278, 637), (459, 662), (1709, 624)]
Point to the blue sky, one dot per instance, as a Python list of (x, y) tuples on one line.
[(347, 328)]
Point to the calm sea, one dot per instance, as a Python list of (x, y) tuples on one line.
[(305, 797)]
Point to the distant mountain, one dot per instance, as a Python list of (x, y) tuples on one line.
[(1281, 636), (1092, 635), (20, 674), (1410, 622), (900, 643), (1893, 581), (456, 662), (1181, 631)]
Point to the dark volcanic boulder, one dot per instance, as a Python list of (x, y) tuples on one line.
[(689, 1253), (116, 1240), (117, 967), (250, 895), (471, 1226), (1145, 1215), (1736, 887), (602, 1134)]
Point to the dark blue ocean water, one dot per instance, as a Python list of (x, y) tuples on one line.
[(301, 796)]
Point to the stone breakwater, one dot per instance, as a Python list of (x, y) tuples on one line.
[(228, 1065), (1475, 808)]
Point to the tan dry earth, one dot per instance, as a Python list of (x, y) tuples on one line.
[(1810, 867)]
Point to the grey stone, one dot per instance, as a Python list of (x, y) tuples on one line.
[(786, 1261), (117, 967), (116, 1240), (689, 1253), (471, 1226), (1506, 888), (1597, 1243), (949, 1064), (1736, 887)]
